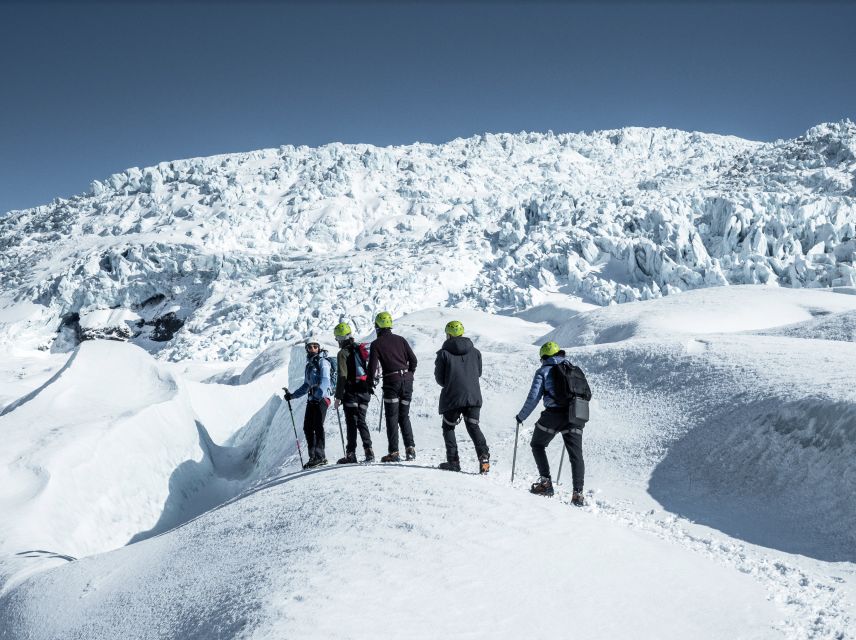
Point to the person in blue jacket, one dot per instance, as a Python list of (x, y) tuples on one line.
[(554, 419), (316, 383)]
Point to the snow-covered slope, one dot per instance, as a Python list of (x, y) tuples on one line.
[(719, 474), (312, 561), (149, 483), (214, 258)]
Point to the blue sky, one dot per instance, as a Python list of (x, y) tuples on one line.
[(90, 89)]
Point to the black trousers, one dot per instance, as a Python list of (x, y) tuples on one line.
[(313, 428), (396, 403), (548, 425), (471, 422), (356, 405)]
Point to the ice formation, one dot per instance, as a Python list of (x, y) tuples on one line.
[(216, 258)]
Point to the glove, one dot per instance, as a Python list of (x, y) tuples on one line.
[(327, 401), (519, 421), (337, 404), (288, 395)]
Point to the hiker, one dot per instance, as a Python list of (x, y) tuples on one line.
[(353, 391), (397, 362), (555, 419), (457, 369), (316, 382)]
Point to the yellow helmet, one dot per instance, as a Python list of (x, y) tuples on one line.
[(455, 329), (342, 330), (383, 320), (549, 349)]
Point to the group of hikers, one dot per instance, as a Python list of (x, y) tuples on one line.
[(350, 379)]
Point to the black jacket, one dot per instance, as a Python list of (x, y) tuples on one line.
[(393, 353), (457, 369)]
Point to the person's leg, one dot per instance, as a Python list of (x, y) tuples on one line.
[(471, 421), (319, 430), (541, 437), (351, 407), (405, 395), (391, 403), (450, 419), (574, 444), (360, 415)]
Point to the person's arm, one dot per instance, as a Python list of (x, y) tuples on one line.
[(478, 353), (411, 357), (301, 390), (440, 369), (372, 367), (535, 393), (342, 360)]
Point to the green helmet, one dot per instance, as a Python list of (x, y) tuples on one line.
[(342, 330), (549, 349), (383, 320), (455, 329)]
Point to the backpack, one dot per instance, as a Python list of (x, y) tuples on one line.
[(334, 371), (362, 351), (571, 390)]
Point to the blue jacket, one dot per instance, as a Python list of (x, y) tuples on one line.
[(541, 383), (316, 379)]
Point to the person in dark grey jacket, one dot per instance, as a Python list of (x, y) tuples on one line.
[(457, 369)]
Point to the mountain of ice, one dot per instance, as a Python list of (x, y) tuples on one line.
[(217, 258)]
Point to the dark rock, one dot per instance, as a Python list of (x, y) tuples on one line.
[(166, 327)]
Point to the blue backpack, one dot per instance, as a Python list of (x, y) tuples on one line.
[(334, 371)]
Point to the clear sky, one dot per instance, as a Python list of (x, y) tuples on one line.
[(89, 89)]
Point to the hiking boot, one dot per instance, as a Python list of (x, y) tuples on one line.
[(578, 499), (350, 458), (315, 462), (391, 457), (369, 455), (544, 487), (484, 464), (451, 465), (411, 453)]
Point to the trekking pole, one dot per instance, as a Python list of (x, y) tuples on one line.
[(380, 419), (341, 435), (514, 459), (561, 460), (294, 426)]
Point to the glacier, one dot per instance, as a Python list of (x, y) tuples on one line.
[(216, 258)]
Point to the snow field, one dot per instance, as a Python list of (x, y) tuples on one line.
[(710, 457), (362, 552)]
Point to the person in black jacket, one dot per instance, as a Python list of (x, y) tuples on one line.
[(457, 369), (397, 362)]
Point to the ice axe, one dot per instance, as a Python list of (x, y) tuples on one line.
[(561, 460), (514, 459), (341, 435), (380, 418), (293, 426)]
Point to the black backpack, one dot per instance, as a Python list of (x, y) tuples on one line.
[(571, 390)]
